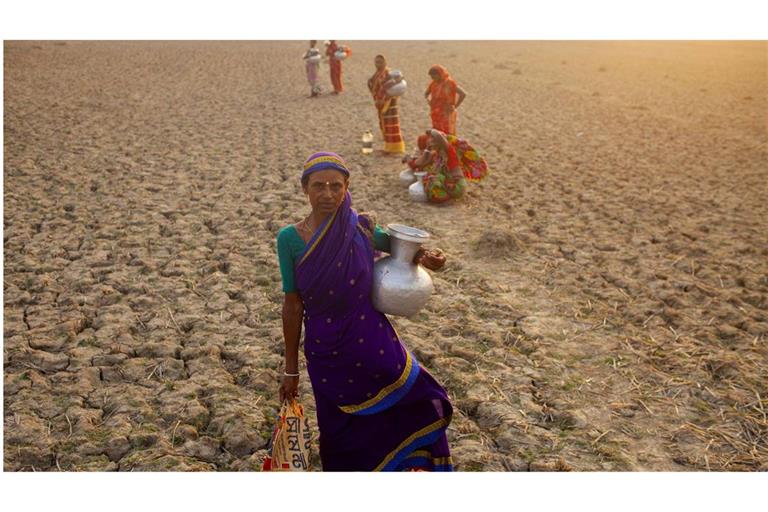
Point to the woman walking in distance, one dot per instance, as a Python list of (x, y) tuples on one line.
[(387, 107)]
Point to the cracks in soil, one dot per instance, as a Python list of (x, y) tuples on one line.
[(26, 321)]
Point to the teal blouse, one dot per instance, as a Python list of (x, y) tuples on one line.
[(290, 245)]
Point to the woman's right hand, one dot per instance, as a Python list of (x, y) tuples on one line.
[(433, 259), (289, 388)]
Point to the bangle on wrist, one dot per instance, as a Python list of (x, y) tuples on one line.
[(290, 374)]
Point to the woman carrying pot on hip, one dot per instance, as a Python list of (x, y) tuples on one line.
[(387, 107), (335, 65), (378, 409), (312, 66)]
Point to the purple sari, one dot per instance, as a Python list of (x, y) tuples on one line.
[(377, 408)]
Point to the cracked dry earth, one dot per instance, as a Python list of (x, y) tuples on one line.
[(604, 304)]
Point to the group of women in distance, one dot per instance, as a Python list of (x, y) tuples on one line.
[(447, 161), (378, 408), (312, 66)]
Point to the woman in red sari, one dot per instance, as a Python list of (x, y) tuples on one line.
[(335, 65), (444, 96), (387, 107)]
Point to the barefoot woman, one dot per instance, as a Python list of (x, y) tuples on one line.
[(444, 96), (387, 107), (377, 408)]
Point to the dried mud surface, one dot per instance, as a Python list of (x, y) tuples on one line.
[(605, 302)]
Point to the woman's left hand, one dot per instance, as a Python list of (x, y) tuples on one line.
[(289, 388), (433, 259)]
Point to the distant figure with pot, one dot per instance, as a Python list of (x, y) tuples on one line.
[(450, 162), (312, 66), (444, 96), (387, 106), (378, 409), (335, 64)]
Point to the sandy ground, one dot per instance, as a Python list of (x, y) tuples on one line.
[(604, 306)]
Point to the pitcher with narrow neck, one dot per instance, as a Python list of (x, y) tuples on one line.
[(401, 287)]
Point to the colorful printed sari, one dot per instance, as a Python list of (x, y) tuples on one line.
[(335, 66), (442, 187), (443, 182), (389, 112), (442, 101), (473, 166), (377, 408)]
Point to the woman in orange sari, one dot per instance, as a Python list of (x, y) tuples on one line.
[(444, 96), (387, 107), (335, 65)]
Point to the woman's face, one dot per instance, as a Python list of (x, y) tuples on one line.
[(380, 63), (326, 190), (435, 76)]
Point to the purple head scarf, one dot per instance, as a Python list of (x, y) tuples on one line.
[(322, 161)]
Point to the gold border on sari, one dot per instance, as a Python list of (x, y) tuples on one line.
[(442, 422), (319, 238), (436, 461), (381, 395)]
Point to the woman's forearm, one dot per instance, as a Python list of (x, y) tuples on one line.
[(423, 159), (293, 312), (440, 139), (462, 95)]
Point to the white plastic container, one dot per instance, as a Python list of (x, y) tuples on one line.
[(314, 59), (367, 142), (340, 54)]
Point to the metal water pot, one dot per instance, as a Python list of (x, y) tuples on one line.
[(397, 89), (416, 190), (313, 55), (407, 177), (401, 287)]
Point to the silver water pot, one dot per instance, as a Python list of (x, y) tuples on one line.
[(407, 177), (401, 287)]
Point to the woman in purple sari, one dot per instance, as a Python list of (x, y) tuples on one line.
[(378, 409)]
